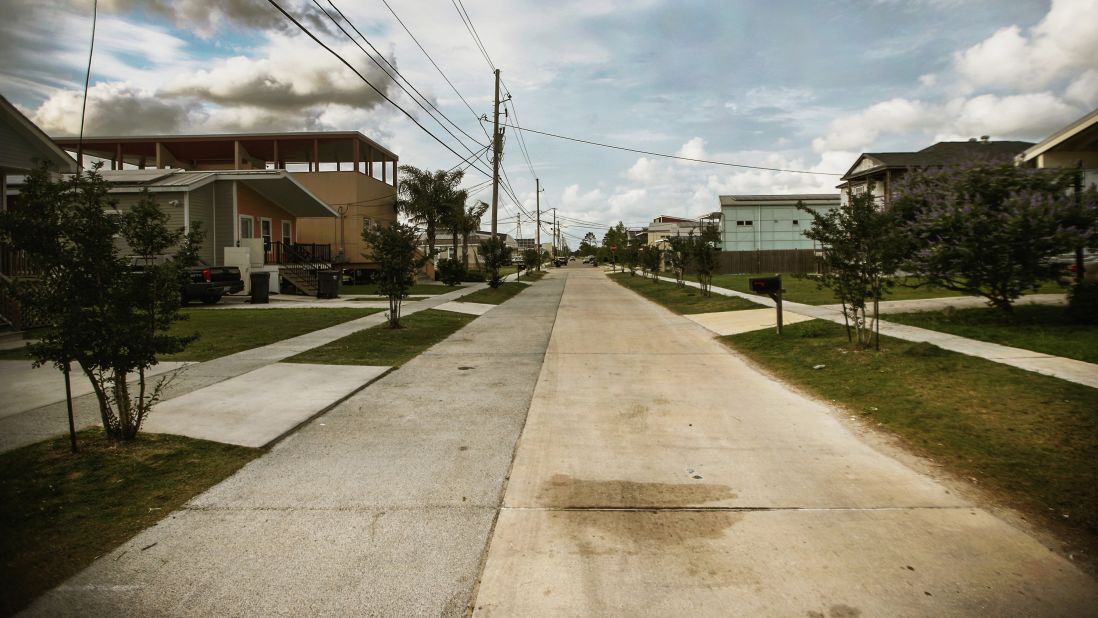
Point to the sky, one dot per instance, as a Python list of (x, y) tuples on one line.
[(794, 85)]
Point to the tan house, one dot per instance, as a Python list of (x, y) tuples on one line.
[(1076, 145), (353, 175)]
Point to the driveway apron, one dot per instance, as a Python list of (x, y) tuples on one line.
[(382, 506), (660, 474)]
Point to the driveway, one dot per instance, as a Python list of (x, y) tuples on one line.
[(660, 474)]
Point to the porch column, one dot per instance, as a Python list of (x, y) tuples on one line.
[(395, 172), (384, 165), (370, 162), (316, 155), (354, 152), (277, 166), (117, 156), (236, 154)]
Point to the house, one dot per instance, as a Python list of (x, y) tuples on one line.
[(878, 171), (1075, 145), (23, 147), (353, 175), (444, 246), (664, 227), (770, 222)]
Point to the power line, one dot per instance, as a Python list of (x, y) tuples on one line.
[(394, 70), (363, 78), (669, 156), (433, 63), (468, 21)]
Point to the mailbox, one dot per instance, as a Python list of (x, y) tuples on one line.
[(766, 285)]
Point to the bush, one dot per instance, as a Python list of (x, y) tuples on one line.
[(1083, 303), (451, 272), (473, 276)]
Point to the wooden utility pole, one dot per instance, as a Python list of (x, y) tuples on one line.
[(495, 157), (555, 242), (537, 228)]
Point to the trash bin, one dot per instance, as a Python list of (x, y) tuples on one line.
[(327, 285), (261, 288)]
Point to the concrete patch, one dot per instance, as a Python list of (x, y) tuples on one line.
[(256, 408), (735, 322), (22, 387), (466, 308)]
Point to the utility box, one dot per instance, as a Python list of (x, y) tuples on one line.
[(766, 285)]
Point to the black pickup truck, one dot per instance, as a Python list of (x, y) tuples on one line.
[(205, 283), (210, 283)]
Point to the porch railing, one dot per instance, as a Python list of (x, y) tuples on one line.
[(280, 253)]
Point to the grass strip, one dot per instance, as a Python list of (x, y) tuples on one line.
[(494, 296), (532, 275), (386, 346), (63, 510), (681, 300), (225, 331), (419, 289), (806, 289), (1041, 328), (1031, 440)]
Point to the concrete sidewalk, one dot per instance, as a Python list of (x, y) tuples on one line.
[(382, 506), (662, 475), (1056, 366), (39, 423)]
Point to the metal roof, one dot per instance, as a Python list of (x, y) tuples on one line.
[(791, 197)]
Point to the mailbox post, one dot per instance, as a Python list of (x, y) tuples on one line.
[(772, 287)]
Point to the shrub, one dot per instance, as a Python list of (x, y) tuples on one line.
[(451, 272), (1083, 302)]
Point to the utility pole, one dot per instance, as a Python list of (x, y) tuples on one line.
[(537, 228), (555, 243), (495, 157)]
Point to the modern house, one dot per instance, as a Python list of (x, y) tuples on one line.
[(664, 227), (354, 176), (23, 147), (444, 246), (878, 171), (770, 222), (1075, 145)]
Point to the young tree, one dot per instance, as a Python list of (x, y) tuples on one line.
[(860, 252), (989, 228), (99, 311), (588, 245), (704, 255), (496, 254), (651, 259), (530, 258), (470, 223), (614, 243), (394, 248), (681, 255), (630, 254)]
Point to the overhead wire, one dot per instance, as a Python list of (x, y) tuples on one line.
[(468, 21), (380, 93)]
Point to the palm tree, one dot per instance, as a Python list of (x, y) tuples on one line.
[(454, 215), (425, 198), (470, 224)]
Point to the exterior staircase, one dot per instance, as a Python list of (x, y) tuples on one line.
[(304, 281)]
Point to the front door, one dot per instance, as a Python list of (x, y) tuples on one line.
[(265, 232)]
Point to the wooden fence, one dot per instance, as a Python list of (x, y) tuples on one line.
[(771, 261)]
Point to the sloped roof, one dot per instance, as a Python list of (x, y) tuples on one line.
[(1081, 135), (41, 146), (937, 155)]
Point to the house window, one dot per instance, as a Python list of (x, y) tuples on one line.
[(796, 222), (247, 227), (367, 224), (287, 233), (747, 223), (266, 231)]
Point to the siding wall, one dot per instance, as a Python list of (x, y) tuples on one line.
[(223, 232), (201, 210), (15, 149), (772, 227), (175, 213)]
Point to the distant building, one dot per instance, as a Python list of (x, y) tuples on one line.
[(878, 171), (445, 250), (664, 227), (770, 222)]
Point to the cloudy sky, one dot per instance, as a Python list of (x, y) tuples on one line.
[(785, 84)]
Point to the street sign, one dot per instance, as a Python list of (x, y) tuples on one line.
[(613, 248)]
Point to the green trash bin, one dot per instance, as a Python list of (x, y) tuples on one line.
[(261, 288), (327, 285)]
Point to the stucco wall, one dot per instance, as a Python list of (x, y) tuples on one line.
[(248, 202), (356, 195)]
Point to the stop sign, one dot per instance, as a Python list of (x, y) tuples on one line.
[(613, 248)]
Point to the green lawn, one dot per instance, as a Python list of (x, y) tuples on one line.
[(1030, 439), (61, 511), (419, 289), (494, 296), (681, 300), (15, 354), (225, 331), (806, 290), (385, 346), (1041, 328), (532, 275)]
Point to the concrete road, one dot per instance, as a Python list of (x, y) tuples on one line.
[(381, 507), (659, 474)]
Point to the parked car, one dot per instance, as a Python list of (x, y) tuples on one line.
[(205, 283), (560, 261)]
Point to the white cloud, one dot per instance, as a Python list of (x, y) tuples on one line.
[(694, 148), (1064, 42), (858, 130), (1084, 90), (114, 108)]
